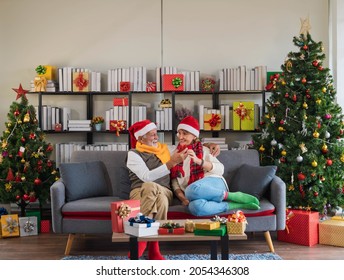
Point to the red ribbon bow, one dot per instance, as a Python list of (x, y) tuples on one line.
[(214, 120)]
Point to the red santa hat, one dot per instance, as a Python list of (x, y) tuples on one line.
[(189, 124), (139, 129)]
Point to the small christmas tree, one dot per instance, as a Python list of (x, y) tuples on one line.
[(303, 129), (26, 172)]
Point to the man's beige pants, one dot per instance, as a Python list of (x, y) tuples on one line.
[(154, 198)]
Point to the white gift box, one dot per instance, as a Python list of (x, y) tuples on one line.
[(28, 226), (141, 229)]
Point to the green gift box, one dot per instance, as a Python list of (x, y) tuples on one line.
[(35, 213), (221, 231)]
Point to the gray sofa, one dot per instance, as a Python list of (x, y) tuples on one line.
[(80, 200)]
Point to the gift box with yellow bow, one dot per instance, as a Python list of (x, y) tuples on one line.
[(301, 228), (121, 211), (10, 225), (243, 115)]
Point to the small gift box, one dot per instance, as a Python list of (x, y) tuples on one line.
[(212, 122), (165, 103), (124, 86), (45, 226), (173, 82), (10, 225), (117, 101), (35, 213), (40, 83), (141, 226), (81, 81), (58, 127), (207, 225), (302, 227), (331, 232), (236, 223), (171, 228), (47, 71), (221, 231), (118, 126), (189, 226), (28, 226), (243, 115), (121, 211), (151, 87)]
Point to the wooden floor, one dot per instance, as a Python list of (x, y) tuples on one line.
[(50, 246)]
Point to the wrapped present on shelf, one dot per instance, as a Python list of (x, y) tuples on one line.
[(212, 122), (221, 231), (47, 71), (236, 223), (10, 225), (81, 81), (40, 83), (165, 103), (171, 228), (120, 101), (28, 226), (35, 213), (301, 228), (45, 226), (151, 87), (207, 225), (243, 115), (189, 226), (331, 232), (141, 226), (118, 126), (58, 127), (121, 211), (124, 86), (173, 82)]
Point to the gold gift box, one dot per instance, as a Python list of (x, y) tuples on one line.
[(212, 122), (331, 232), (50, 73), (246, 122), (10, 225), (207, 225), (236, 228), (81, 81)]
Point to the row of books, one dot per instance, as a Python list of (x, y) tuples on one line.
[(221, 141), (163, 119), (66, 76), (51, 115), (138, 113), (242, 78), (51, 86), (137, 76), (64, 151)]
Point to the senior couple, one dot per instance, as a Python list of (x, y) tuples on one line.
[(189, 171)]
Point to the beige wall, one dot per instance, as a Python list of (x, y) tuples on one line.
[(204, 35)]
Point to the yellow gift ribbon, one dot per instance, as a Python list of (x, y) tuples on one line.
[(40, 83)]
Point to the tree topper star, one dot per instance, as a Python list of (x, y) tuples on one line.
[(20, 92), (305, 26)]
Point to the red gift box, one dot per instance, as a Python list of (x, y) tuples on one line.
[(117, 101), (173, 82), (122, 211), (171, 230), (124, 86), (45, 226), (301, 228), (118, 126), (151, 87)]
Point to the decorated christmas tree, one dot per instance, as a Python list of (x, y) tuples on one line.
[(26, 172), (302, 129)]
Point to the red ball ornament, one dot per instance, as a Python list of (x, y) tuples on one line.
[(22, 139), (37, 181), (315, 193), (308, 96), (286, 95), (49, 148), (301, 176), (32, 198), (294, 98), (17, 197), (16, 112), (26, 197), (320, 68), (315, 63), (305, 47), (303, 80), (329, 162), (282, 122), (282, 159)]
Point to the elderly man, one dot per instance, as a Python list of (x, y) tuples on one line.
[(149, 163)]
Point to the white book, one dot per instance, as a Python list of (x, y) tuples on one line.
[(69, 78), (79, 128), (58, 115), (197, 77), (79, 121), (221, 78), (65, 78), (140, 76), (227, 116), (44, 117), (222, 110), (192, 81), (166, 118), (157, 119), (98, 81), (242, 78), (201, 116), (162, 120), (114, 80), (60, 78), (120, 112), (107, 120), (119, 79), (170, 117), (131, 78), (157, 78), (115, 113), (66, 115), (109, 80), (252, 77), (53, 117), (248, 79), (144, 78)]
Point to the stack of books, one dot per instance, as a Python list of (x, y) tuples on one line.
[(79, 125)]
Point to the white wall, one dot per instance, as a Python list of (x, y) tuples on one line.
[(204, 35)]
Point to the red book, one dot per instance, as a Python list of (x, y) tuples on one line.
[(301, 228), (122, 211)]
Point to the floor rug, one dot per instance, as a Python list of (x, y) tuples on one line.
[(266, 256)]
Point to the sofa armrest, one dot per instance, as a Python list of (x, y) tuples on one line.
[(278, 199), (58, 199)]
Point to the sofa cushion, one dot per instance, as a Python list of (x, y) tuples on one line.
[(253, 180), (84, 179)]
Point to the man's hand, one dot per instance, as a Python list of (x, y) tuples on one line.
[(177, 157)]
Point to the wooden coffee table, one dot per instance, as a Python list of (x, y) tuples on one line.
[(224, 240)]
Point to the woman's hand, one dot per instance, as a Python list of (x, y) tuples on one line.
[(193, 156)]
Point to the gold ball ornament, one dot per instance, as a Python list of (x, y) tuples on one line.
[(9, 124), (291, 188), (283, 83), (20, 122), (26, 117), (316, 134), (23, 178), (284, 153), (261, 148), (22, 160), (318, 101), (342, 158), (8, 187), (314, 163), (324, 89), (280, 128), (305, 105)]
